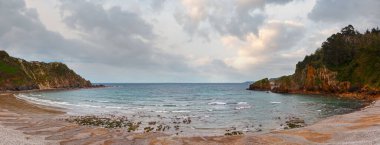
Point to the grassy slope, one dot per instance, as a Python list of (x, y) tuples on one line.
[(18, 74)]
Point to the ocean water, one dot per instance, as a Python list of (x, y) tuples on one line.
[(213, 108)]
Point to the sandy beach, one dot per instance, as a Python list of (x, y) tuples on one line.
[(24, 123)]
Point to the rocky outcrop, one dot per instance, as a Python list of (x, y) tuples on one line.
[(262, 85), (313, 80), (310, 79), (347, 64), (17, 74)]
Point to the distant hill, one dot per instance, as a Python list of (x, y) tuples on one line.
[(17, 74), (347, 61), (248, 82)]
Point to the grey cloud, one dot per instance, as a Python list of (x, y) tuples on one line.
[(22, 32), (278, 1), (241, 25), (112, 37), (289, 35), (92, 18), (119, 37), (238, 18), (118, 45), (346, 10), (288, 41), (157, 4), (115, 41)]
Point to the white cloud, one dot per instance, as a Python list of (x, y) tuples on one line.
[(238, 17), (274, 37)]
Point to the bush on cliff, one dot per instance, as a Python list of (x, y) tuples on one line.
[(354, 56)]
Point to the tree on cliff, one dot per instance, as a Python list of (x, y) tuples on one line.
[(349, 30), (355, 56), (346, 60), (340, 48)]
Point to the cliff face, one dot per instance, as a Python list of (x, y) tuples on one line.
[(347, 62), (18, 74), (310, 79)]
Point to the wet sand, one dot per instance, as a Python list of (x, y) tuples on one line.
[(15, 113), (24, 123)]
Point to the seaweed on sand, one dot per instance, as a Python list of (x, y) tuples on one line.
[(106, 122)]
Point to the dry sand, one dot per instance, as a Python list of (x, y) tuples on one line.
[(14, 111), (25, 123)]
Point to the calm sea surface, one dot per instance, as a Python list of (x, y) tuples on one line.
[(213, 108)]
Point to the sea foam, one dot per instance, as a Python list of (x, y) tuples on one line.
[(217, 103), (181, 111), (41, 101), (242, 103)]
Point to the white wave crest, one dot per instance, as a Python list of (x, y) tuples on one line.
[(243, 107), (217, 103), (53, 103), (36, 95), (161, 111), (41, 101), (242, 103), (113, 107), (181, 111)]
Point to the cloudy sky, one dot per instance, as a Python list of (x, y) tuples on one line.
[(177, 40)]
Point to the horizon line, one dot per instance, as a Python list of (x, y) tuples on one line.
[(171, 82)]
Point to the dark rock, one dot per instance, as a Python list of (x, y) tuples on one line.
[(294, 122)]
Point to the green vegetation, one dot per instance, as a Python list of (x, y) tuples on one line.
[(347, 61), (11, 73), (286, 80), (354, 56), (17, 74), (263, 81), (114, 122), (107, 122), (7, 68)]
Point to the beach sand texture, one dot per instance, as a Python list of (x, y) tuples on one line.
[(24, 123)]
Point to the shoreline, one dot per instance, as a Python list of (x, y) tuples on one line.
[(53, 118), (51, 89), (10, 102), (363, 96)]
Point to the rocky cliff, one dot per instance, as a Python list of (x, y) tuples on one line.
[(262, 85), (17, 74), (347, 62)]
